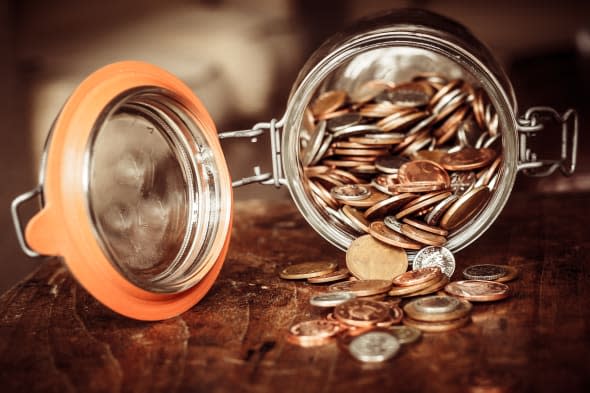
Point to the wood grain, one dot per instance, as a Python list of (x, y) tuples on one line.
[(54, 337)]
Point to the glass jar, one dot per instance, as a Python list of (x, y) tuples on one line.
[(137, 195)]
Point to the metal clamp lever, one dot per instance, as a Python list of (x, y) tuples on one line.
[(270, 178), (19, 200), (533, 121)]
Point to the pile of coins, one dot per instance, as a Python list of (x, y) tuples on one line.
[(407, 163), (367, 323)]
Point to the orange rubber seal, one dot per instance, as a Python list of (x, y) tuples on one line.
[(63, 226)]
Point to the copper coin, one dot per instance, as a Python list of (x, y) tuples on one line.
[(434, 216), (382, 138), (323, 194), (395, 316), (390, 204), (361, 312), (461, 309), (313, 333), (430, 155), (418, 276), (487, 272), (411, 289), (381, 109), (357, 217), (423, 171), (381, 232), (362, 287), (328, 102), (361, 152), (423, 204), (369, 90), (350, 145), (341, 163), (425, 227), (418, 186), (511, 274), (437, 327), (343, 122), (336, 275), (390, 164), (478, 290), (306, 270), (465, 208), (369, 259), (436, 286), (423, 237), (468, 159), (332, 115)]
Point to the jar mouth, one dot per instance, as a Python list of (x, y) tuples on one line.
[(393, 54), (153, 190)]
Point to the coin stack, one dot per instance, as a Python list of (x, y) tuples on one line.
[(407, 163), (437, 313)]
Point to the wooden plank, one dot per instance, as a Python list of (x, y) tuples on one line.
[(55, 337)]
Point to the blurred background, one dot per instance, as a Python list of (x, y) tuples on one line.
[(241, 57)]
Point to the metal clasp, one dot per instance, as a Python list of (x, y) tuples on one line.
[(19, 200), (274, 128), (533, 121)]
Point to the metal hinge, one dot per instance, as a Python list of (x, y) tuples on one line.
[(533, 121), (275, 177)]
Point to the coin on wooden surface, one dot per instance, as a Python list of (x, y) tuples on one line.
[(381, 232), (374, 347), (437, 308), (369, 259), (361, 312), (313, 333), (362, 287), (331, 299), (511, 274), (465, 208), (405, 334), (336, 275), (410, 290), (478, 290), (435, 256), (437, 327), (417, 276), (488, 272), (434, 287), (306, 270)]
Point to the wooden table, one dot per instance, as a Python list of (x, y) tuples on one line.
[(55, 338)]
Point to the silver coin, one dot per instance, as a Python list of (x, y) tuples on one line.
[(462, 181), (405, 334), (385, 136), (351, 192), (435, 256), (331, 299), (322, 150), (343, 122), (357, 129), (439, 210), (436, 304), (408, 97), (484, 272), (374, 347), (381, 188), (392, 223), (315, 141), (446, 100)]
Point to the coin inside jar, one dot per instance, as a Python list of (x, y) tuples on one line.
[(351, 192), (468, 159), (465, 208), (423, 171), (368, 258)]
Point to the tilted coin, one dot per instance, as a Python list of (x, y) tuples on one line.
[(332, 115), (392, 223), (468, 159), (368, 259), (435, 287), (343, 122), (421, 205), (382, 138), (405, 334), (362, 288), (361, 312), (390, 164), (313, 333), (328, 102), (379, 231), (374, 198), (314, 144), (484, 272), (434, 216), (351, 192), (418, 186), (435, 256), (435, 305), (417, 276), (331, 299), (368, 90), (465, 208), (439, 326), (410, 290), (356, 217), (511, 274), (390, 204), (356, 130), (458, 308), (435, 155), (425, 227), (374, 347), (307, 270), (336, 275), (423, 171), (423, 237), (478, 290), (462, 182)]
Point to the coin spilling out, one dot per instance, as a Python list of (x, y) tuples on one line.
[(336, 275), (305, 270), (426, 150), (484, 272), (435, 256), (418, 282), (374, 347), (362, 288), (331, 299), (369, 259), (478, 290), (437, 309)]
